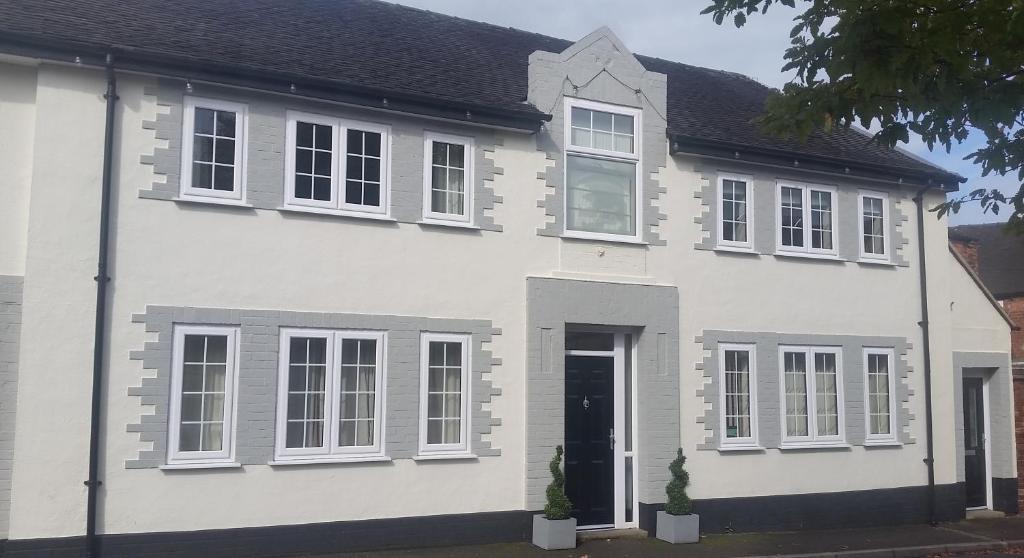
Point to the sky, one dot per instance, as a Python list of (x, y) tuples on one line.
[(675, 30)]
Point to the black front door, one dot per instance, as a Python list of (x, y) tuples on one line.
[(589, 422), (975, 469)]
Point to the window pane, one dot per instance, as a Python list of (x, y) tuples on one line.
[(223, 178), (224, 151), (795, 366), (601, 130), (307, 377), (304, 134), (827, 399), (448, 179), (202, 149), (225, 124), (203, 123), (202, 176), (821, 220), (358, 396), (324, 137), (792, 217), (601, 196), (580, 117)]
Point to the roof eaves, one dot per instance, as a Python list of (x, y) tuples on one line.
[(681, 143), (527, 118)]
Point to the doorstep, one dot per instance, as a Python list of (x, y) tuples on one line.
[(608, 534)]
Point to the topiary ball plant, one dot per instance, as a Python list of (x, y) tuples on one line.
[(678, 502), (558, 506)]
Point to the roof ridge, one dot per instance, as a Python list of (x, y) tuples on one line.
[(395, 3)]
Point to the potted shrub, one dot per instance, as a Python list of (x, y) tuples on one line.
[(678, 523), (554, 529)]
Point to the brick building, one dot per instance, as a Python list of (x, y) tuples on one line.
[(997, 257)]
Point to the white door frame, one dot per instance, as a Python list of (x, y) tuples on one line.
[(968, 372), (619, 454)]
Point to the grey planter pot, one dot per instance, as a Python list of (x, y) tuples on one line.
[(678, 529), (554, 534)]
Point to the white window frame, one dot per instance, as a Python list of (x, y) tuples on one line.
[(891, 437), (812, 439), (339, 166), (732, 244), (227, 453), (749, 442), (464, 448), (429, 215), (608, 155), (330, 451), (806, 249), (884, 257), (190, 104)]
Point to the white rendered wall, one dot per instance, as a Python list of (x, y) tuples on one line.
[(186, 255), (17, 128)]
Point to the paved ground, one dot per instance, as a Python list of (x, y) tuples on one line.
[(970, 536)]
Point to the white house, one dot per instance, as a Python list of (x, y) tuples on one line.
[(312, 276)]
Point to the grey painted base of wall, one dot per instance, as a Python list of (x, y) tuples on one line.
[(294, 540), (863, 508), (1004, 495)]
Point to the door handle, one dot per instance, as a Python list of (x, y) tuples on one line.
[(611, 438)]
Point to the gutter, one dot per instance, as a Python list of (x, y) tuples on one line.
[(524, 119), (929, 460), (820, 164), (102, 280)]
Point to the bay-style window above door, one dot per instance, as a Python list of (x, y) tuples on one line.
[(213, 147), (602, 171)]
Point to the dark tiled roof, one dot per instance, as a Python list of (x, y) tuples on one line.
[(384, 46), (1000, 257)]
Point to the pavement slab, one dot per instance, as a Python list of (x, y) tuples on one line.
[(904, 541)]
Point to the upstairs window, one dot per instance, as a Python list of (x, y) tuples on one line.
[(602, 165), (874, 222), (880, 390), (330, 395), (324, 152), (806, 219), (734, 219), (202, 402), (213, 139), (812, 396), (447, 189)]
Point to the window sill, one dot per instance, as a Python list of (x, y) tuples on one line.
[(809, 256), (869, 261), (740, 448), (736, 250), (573, 235), (453, 224), (444, 456), (883, 444), (813, 446), (333, 460), (200, 465), (345, 213), (213, 201)]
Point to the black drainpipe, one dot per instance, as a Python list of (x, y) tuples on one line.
[(930, 459), (102, 279)]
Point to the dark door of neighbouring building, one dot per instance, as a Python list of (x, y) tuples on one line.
[(589, 441), (975, 464)]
